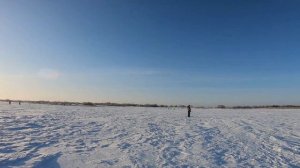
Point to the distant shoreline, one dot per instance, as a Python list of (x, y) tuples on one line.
[(92, 104)]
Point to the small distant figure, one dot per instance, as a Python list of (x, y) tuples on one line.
[(9, 102), (189, 110), (19, 102)]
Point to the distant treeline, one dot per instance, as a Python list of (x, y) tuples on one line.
[(146, 105), (255, 107), (91, 103)]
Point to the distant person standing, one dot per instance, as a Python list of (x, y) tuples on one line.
[(9, 102), (19, 102), (189, 110)]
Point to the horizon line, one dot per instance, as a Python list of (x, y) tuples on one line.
[(149, 104)]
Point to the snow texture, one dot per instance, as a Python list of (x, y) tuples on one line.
[(51, 136)]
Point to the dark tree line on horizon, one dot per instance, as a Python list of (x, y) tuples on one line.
[(65, 103)]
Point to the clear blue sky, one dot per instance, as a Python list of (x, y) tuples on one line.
[(231, 52)]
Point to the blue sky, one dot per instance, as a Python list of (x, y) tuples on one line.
[(167, 52)]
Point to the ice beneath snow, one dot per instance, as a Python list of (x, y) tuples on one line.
[(34, 135)]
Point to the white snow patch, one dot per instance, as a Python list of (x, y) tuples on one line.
[(73, 136)]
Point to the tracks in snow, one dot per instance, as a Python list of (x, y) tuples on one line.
[(37, 136)]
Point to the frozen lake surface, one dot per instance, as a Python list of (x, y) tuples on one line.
[(34, 135)]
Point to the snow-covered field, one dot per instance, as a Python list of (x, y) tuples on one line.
[(34, 135)]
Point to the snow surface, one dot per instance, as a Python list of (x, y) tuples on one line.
[(34, 135)]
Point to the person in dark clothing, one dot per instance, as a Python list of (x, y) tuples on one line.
[(189, 110), (9, 102)]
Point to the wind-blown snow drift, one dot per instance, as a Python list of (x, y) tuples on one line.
[(73, 136)]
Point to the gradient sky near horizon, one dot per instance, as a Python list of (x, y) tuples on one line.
[(230, 52)]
